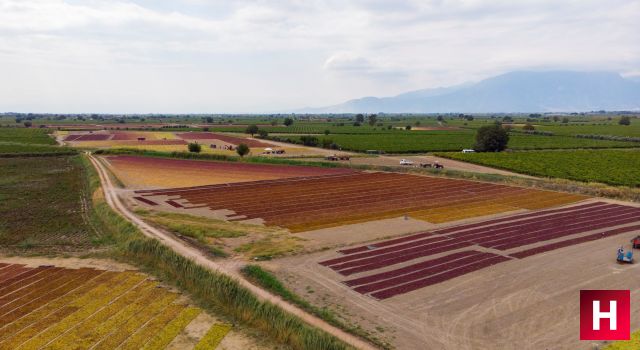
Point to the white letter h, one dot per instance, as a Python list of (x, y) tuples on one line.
[(598, 315)]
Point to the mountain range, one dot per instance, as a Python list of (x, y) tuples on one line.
[(519, 91)]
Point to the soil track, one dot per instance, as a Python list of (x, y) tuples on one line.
[(229, 268)]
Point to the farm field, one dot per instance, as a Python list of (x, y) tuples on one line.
[(303, 204), (614, 167), (430, 141), (481, 276), (146, 172), (26, 136), (547, 230), (50, 307), (41, 205)]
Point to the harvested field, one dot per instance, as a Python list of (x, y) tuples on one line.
[(309, 203), (62, 308), (145, 172), (547, 230)]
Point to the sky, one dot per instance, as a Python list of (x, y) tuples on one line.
[(197, 56)]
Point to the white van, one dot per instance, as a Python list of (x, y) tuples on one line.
[(468, 151)]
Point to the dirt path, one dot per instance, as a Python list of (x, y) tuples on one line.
[(229, 268)]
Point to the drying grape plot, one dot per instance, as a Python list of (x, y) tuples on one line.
[(466, 246)]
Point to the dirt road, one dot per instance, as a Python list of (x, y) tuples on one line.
[(229, 268)]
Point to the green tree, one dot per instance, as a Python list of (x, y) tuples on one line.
[(528, 126), (194, 147), (360, 118), (408, 127), (624, 120), (565, 120), (263, 134), (252, 129), (209, 120), (491, 138), (309, 140), (327, 132), (242, 150), (373, 119), (27, 124), (288, 121)]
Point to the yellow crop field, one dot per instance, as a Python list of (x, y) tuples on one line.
[(61, 308)]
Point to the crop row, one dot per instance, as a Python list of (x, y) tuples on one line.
[(300, 203), (502, 233), (438, 278), (58, 308), (513, 235), (479, 226), (401, 279), (574, 241)]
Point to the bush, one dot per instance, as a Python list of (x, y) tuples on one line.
[(263, 134), (242, 150), (194, 147), (528, 127), (624, 120), (491, 138), (408, 127), (288, 121), (308, 140)]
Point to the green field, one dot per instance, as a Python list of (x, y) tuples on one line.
[(26, 135), (431, 141), (41, 200), (615, 167)]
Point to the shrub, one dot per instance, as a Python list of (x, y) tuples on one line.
[(528, 127), (625, 120), (194, 147), (242, 150), (288, 121)]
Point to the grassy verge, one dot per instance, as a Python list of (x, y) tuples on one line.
[(268, 281), (211, 290)]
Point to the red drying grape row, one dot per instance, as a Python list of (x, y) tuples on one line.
[(375, 252), (491, 234), (89, 137), (470, 226), (574, 241), (11, 270), (422, 283), (546, 220), (551, 233), (23, 277), (423, 273), (411, 268), (174, 204), (248, 185), (145, 201), (401, 257)]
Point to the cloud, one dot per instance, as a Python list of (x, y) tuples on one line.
[(255, 55)]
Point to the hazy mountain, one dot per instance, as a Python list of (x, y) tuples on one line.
[(522, 91)]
